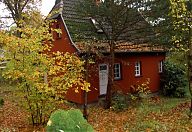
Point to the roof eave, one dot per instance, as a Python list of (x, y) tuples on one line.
[(78, 50)]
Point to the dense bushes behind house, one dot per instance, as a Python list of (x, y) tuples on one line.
[(173, 80)]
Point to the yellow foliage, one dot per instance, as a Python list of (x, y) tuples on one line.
[(142, 88), (29, 63)]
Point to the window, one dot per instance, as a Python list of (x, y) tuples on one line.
[(58, 32), (117, 71), (160, 66), (96, 24), (137, 68), (103, 67)]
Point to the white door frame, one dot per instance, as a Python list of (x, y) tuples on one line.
[(103, 78)]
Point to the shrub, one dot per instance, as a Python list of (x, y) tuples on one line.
[(68, 121), (119, 102), (1, 102), (173, 80), (1, 77), (142, 89)]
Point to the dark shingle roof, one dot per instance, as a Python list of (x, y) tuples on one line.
[(81, 27)]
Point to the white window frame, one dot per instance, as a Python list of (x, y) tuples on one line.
[(160, 66), (117, 71), (137, 68)]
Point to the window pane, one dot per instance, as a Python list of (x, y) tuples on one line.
[(104, 67), (137, 69), (161, 66), (117, 74)]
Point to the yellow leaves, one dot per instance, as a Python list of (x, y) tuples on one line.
[(181, 14), (76, 90), (67, 72), (142, 88), (49, 123), (28, 62), (133, 97), (86, 86)]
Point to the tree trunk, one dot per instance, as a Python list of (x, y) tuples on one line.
[(190, 68), (111, 75), (190, 79), (85, 113)]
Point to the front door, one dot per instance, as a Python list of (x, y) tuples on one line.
[(103, 78)]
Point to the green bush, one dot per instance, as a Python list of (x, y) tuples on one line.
[(1, 102), (119, 102), (1, 77), (173, 80), (68, 121)]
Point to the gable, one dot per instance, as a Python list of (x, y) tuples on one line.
[(81, 28), (62, 42)]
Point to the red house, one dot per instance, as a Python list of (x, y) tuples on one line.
[(134, 63)]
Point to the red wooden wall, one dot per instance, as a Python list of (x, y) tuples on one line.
[(149, 69), (63, 44), (149, 65)]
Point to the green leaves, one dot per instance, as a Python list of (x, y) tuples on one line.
[(173, 80), (68, 121), (181, 15)]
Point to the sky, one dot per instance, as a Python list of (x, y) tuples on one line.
[(47, 6), (45, 9)]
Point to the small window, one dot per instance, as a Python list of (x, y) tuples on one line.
[(103, 67), (160, 66), (117, 71), (97, 26), (58, 33), (137, 68)]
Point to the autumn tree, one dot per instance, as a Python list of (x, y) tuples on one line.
[(119, 21), (41, 76), (21, 11), (172, 25), (181, 13)]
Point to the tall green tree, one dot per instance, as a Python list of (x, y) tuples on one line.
[(172, 24), (181, 13), (157, 13), (120, 21)]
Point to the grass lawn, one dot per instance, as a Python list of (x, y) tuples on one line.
[(153, 114)]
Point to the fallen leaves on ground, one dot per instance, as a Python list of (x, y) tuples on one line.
[(13, 117), (107, 120), (175, 119)]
